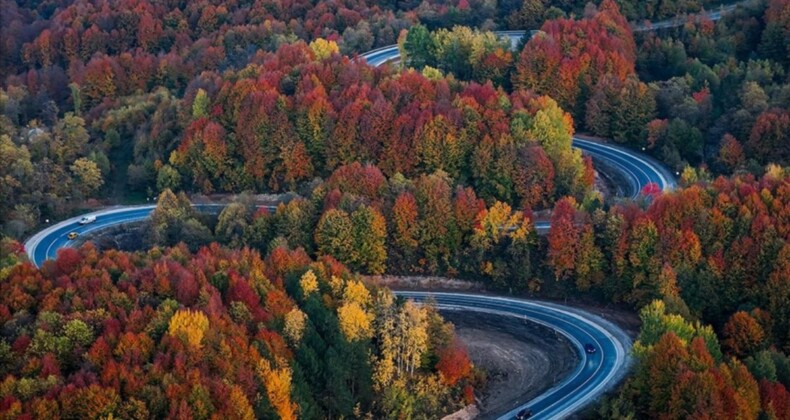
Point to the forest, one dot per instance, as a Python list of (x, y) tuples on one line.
[(440, 166), (218, 333)]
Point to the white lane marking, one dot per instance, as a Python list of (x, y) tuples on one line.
[(31, 245), (619, 360), (555, 389), (633, 155)]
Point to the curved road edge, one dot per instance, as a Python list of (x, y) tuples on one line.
[(595, 374)]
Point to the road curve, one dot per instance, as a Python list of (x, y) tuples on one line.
[(595, 372), (637, 169), (44, 245)]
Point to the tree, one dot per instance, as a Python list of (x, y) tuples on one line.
[(168, 178), (731, 153), (232, 224), (743, 335), (534, 177), (437, 231), (71, 139), (553, 129), (334, 235), (200, 104), (239, 405), (323, 49), (563, 239), (189, 325), (620, 109), (295, 322), (173, 220), (770, 137), (439, 148), (369, 245), (454, 363), (355, 321), (88, 175), (295, 221), (529, 16), (418, 48), (404, 225), (308, 283), (410, 336), (277, 381)]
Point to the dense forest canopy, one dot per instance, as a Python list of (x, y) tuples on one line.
[(169, 333)]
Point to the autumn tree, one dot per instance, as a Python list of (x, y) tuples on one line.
[(189, 325), (404, 226), (620, 110), (769, 136), (742, 334), (731, 153), (568, 57), (553, 130), (232, 224), (454, 363), (323, 49), (563, 239), (500, 246), (88, 175), (173, 220), (277, 381)]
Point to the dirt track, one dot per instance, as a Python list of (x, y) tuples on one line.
[(522, 359)]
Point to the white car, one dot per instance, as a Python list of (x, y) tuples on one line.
[(87, 219)]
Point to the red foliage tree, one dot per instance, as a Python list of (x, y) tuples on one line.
[(454, 363)]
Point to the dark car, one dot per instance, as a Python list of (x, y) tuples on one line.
[(589, 348), (524, 414)]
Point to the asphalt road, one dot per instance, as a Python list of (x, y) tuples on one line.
[(595, 373), (44, 245)]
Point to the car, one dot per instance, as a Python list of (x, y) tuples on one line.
[(87, 219), (589, 348), (73, 235), (524, 414)]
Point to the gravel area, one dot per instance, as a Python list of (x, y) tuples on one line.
[(521, 359)]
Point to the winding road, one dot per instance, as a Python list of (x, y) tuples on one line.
[(595, 372)]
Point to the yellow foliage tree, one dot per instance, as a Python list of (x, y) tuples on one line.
[(411, 336), (278, 388), (308, 283), (324, 49), (355, 322), (356, 292), (295, 321), (240, 407), (189, 325)]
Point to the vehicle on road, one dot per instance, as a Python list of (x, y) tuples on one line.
[(87, 220), (589, 348), (524, 414), (73, 235)]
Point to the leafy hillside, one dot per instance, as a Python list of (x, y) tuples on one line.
[(217, 333)]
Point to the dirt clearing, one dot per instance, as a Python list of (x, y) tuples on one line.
[(521, 359)]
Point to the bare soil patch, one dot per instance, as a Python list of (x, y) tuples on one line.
[(521, 359)]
